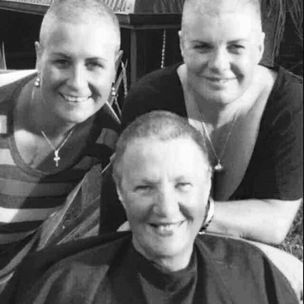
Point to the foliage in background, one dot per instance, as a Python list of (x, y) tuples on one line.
[(294, 10), (294, 240), (280, 9)]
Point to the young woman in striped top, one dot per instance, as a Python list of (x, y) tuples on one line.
[(56, 125)]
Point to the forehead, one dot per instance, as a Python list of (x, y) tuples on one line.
[(150, 158), (89, 37), (226, 26), (234, 16)]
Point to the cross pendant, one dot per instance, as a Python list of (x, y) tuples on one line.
[(56, 158)]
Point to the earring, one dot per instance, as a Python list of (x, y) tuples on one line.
[(208, 217), (113, 91), (37, 82)]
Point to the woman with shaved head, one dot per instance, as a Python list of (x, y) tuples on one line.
[(163, 177), (56, 125), (250, 115)]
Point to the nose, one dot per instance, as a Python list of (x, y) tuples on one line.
[(77, 78), (219, 60), (166, 203)]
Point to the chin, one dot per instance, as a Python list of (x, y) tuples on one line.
[(222, 98), (75, 117), (167, 250)]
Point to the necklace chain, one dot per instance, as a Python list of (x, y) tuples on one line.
[(219, 166), (56, 157)]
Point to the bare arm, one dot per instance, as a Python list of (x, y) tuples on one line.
[(266, 221)]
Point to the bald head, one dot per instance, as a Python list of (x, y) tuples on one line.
[(79, 11), (217, 7), (161, 125)]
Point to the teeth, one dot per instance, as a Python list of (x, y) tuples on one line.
[(167, 227), (75, 99)]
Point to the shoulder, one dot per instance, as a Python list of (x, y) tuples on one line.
[(228, 249), (158, 79), (108, 120), (65, 264), (103, 129), (7, 90), (287, 92), (245, 270), (159, 90), (284, 108)]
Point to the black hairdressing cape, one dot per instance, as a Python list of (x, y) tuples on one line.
[(109, 270)]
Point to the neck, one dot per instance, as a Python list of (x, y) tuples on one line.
[(51, 124), (168, 263), (172, 265), (215, 114)]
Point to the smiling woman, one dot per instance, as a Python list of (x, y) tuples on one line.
[(55, 125), (163, 177), (163, 193), (249, 113)]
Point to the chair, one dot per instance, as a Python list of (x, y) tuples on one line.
[(2, 57)]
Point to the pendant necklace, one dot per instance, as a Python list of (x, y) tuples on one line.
[(195, 118), (56, 157), (219, 166)]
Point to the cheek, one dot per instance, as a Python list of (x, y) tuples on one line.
[(103, 81), (193, 60), (137, 208), (51, 76), (246, 63), (200, 201)]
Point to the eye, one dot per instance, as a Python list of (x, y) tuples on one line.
[(62, 63), (93, 65), (202, 47), (143, 188), (236, 48), (183, 186)]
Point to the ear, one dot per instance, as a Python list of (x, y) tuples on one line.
[(38, 50), (181, 42), (118, 59), (118, 190), (261, 45)]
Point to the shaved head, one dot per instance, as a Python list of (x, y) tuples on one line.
[(160, 125), (217, 7), (78, 11)]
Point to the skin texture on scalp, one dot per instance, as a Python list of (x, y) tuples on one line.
[(164, 189), (163, 179), (222, 44), (76, 11), (215, 7), (161, 125), (76, 57)]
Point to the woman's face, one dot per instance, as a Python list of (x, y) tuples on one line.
[(164, 188), (221, 52), (76, 64)]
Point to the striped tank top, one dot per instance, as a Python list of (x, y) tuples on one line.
[(29, 196)]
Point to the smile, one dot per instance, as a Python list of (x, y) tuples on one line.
[(75, 98), (166, 229), (219, 80)]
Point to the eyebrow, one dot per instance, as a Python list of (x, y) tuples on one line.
[(60, 54), (148, 181), (210, 43), (200, 41), (239, 40)]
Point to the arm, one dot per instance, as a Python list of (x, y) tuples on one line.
[(267, 221), (272, 187), (290, 266)]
